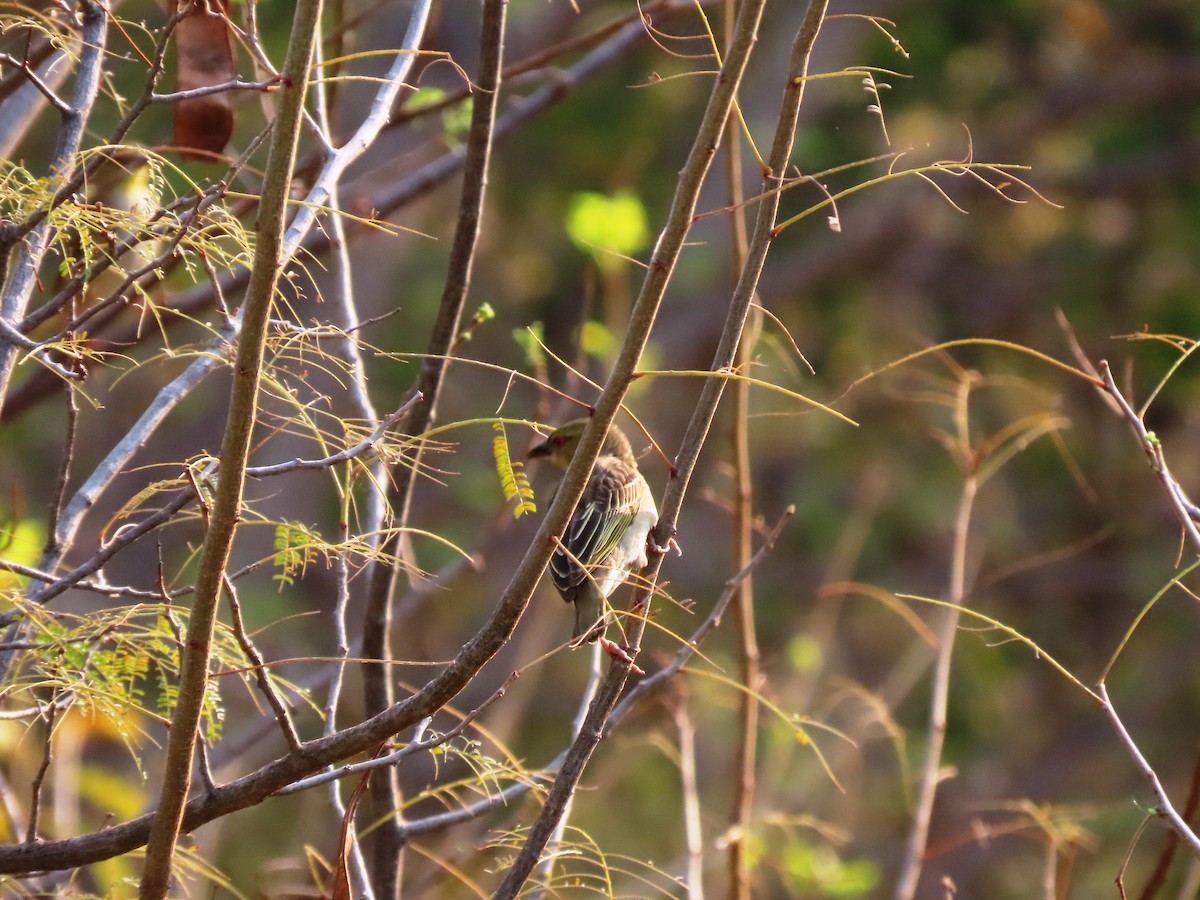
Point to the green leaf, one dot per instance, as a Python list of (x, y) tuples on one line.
[(514, 481), (529, 340), (601, 226)]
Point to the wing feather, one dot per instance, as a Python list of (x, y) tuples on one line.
[(613, 496)]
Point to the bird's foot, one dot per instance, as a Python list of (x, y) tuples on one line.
[(655, 547), (617, 652)]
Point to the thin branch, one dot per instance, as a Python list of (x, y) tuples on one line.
[(64, 474), (693, 832), (746, 761), (35, 54), (326, 462), (1163, 807), (1158, 877), (417, 745), (108, 550), (134, 439), (32, 77), (1153, 448), (35, 790), (914, 856), (545, 872), (660, 678), (223, 88), (261, 675)]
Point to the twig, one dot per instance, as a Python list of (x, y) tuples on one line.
[(918, 838), (120, 541), (745, 764), (35, 54), (35, 802), (1162, 865), (688, 650), (545, 872), (205, 770), (1184, 508), (417, 745), (332, 700), (64, 474), (1163, 807), (31, 76), (366, 444), (693, 833), (134, 439), (224, 87), (261, 676)]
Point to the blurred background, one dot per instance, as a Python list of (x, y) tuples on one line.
[(1068, 540)]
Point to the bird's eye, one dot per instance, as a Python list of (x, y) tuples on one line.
[(559, 441)]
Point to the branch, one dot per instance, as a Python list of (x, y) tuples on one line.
[(31, 76), (688, 650), (745, 764), (1164, 809), (366, 444), (914, 856), (1183, 507), (224, 87), (261, 675), (235, 446)]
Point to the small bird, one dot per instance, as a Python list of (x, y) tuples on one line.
[(607, 535)]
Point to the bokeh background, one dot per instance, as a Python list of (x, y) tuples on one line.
[(1068, 541)]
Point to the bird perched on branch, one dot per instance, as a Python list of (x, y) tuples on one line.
[(607, 536)]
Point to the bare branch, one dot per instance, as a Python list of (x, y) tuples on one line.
[(1185, 510), (1164, 809)]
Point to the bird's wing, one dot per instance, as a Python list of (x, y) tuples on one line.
[(614, 494)]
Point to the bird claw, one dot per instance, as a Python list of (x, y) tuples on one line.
[(658, 548), (618, 653)]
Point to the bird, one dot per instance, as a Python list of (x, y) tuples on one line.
[(607, 536)]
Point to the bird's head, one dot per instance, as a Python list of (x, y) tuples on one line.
[(561, 443)]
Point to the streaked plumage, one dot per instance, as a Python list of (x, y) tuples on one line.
[(606, 537)]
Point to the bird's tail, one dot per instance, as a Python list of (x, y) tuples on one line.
[(590, 614)]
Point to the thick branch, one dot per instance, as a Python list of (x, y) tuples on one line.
[(239, 427)]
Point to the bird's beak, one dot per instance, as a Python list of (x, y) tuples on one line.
[(539, 451)]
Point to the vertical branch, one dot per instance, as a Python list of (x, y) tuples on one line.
[(693, 833), (35, 790), (357, 864), (235, 446), (377, 687), (345, 309), (546, 870), (910, 874), (743, 549)]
